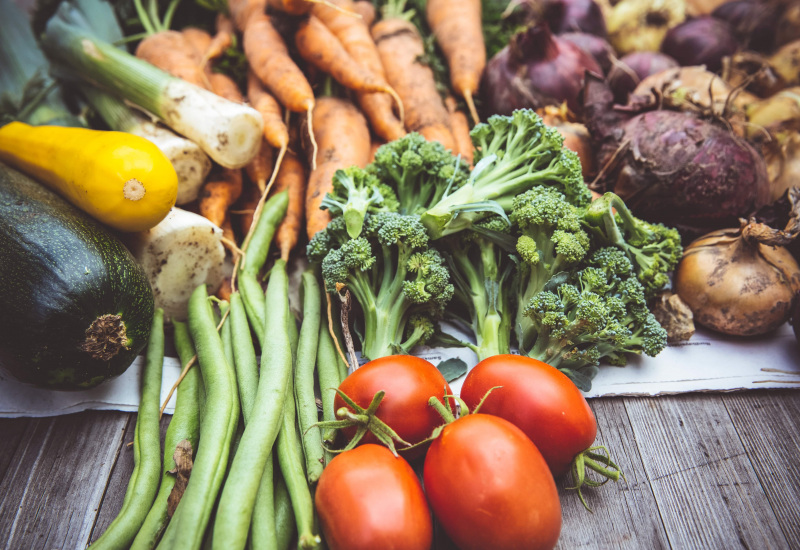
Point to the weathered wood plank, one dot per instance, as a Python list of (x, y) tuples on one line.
[(12, 431), (707, 491), (625, 514), (767, 423), (50, 493)]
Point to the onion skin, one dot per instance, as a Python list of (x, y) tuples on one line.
[(634, 68), (701, 41), (536, 69), (737, 287), (575, 16), (597, 47)]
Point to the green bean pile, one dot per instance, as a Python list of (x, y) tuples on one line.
[(249, 427)]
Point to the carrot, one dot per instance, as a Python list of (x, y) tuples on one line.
[(356, 39), (373, 148), (245, 207), (457, 26), (460, 125), (366, 10), (221, 41), (302, 7), (400, 47), (241, 10), (343, 138), (198, 38), (261, 166), (218, 194), (320, 47), (224, 290), (269, 60), (171, 52), (275, 130), (224, 86), (291, 177)]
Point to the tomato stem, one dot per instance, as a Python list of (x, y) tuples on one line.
[(440, 407), (600, 463)]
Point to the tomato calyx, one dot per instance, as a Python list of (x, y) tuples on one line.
[(364, 420), (598, 462)]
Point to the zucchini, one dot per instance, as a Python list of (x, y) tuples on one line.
[(76, 307)]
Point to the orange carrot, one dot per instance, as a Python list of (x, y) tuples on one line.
[(275, 130), (224, 290), (460, 126), (457, 26), (224, 86), (218, 194), (366, 10), (400, 47), (356, 39), (171, 52), (291, 177), (241, 10), (373, 148), (245, 207), (302, 7), (320, 47), (198, 38), (221, 41), (343, 138), (261, 166)]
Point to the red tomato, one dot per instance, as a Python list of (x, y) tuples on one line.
[(490, 487), (368, 499), (409, 382), (538, 399)]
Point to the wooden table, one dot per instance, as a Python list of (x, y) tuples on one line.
[(701, 471)]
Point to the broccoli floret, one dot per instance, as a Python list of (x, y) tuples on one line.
[(597, 313), (513, 154), (401, 285), (323, 241), (654, 249), (550, 240), (482, 270), (356, 192), (419, 171)]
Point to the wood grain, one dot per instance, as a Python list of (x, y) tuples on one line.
[(50, 493), (12, 431), (767, 424), (707, 491)]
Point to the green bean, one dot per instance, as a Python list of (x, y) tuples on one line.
[(253, 299), (258, 247), (244, 355), (225, 333), (290, 458), (263, 532), (184, 425), (305, 400), (284, 515), (330, 369), (143, 485), (239, 494), (218, 427)]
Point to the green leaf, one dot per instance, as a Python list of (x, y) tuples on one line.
[(452, 368)]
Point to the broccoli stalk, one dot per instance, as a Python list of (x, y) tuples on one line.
[(598, 312), (513, 154), (401, 285), (482, 271), (356, 192), (550, 240), (654, 249)]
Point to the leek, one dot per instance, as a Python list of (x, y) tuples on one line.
[(190, 162), (230, 133)]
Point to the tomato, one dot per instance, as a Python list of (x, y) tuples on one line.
[(409, 382), (490, 487), (366, 498), (540, 400)]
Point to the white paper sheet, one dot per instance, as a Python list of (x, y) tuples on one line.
[(708, 362)]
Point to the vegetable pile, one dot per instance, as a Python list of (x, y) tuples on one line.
[(310, 185)]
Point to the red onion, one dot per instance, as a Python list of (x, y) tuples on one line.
[(534, 70), (597, 47), (753, 23), (626, 74), (575, 16), (701, 41), (672, 166)]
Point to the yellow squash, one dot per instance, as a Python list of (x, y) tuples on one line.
[(120, 179)]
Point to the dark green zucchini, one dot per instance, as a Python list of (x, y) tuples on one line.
[(75, 307)]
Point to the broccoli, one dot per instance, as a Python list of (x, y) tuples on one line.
[(654, 249), (598, 312), (401, 285), (513, 154), (356, 192), (482, 270), (419, 171), (550, 240)]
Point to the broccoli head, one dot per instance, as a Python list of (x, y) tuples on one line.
[(401, 285), (654, 249), (513, 154), (356, 192)]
